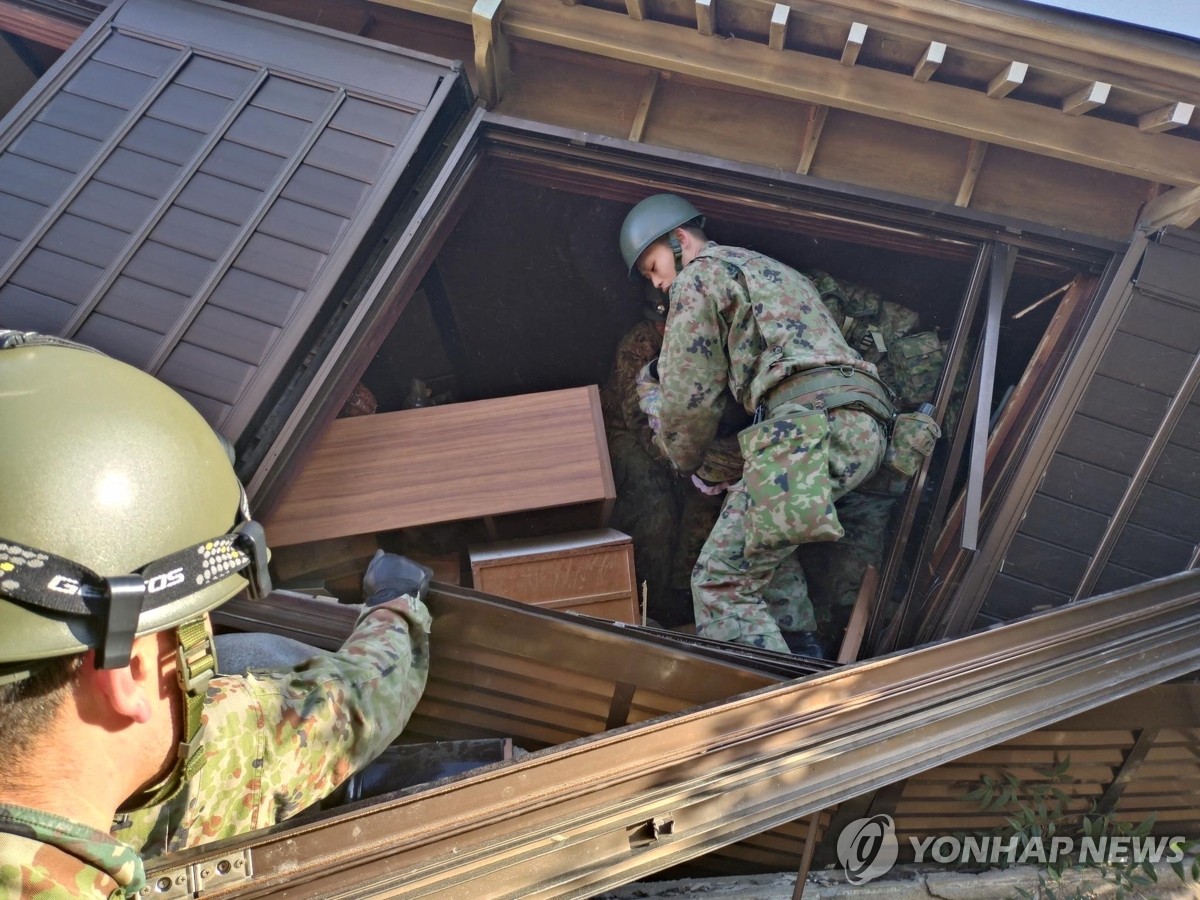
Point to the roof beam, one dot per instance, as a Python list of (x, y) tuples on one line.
[(935, 54), (811, 79), (1087, 98), (1007, 80), (1174, 115), (854, 43), (704, 17)]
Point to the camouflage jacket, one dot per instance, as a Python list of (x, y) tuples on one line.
[(740, 320), (619, 396), (278, 742), (47, 857)]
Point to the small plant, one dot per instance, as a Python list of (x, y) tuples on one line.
[(1038, 812)]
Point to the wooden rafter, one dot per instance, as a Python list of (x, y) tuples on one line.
[(798, 76), (1174, 115), (636, 9), (933, 57), (854, 43), (778, 28), (1007, 80), (491, 50), (704, 17), (1087, 98)]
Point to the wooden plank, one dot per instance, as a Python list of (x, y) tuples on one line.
[(704, 17), (935, 53), (447, 463), (1007, 80), (636, 9), (778, 27)]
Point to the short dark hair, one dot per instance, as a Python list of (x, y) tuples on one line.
[(28, 706)]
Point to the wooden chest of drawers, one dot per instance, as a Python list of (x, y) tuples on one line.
[(587, 572)]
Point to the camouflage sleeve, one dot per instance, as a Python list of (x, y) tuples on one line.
[(46, 856), (278, 742), (693, 368)]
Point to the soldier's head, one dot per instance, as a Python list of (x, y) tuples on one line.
[(660, 236), (122, 523)]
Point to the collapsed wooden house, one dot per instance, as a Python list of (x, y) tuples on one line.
[(268, 204)]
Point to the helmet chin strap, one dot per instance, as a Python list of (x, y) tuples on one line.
[(676, 250)]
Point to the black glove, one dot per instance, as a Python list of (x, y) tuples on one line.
[(390, 575)]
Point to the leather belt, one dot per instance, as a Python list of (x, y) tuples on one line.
[(829, 387)]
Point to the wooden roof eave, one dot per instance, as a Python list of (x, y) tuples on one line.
[(818, 80), (1078, 45)]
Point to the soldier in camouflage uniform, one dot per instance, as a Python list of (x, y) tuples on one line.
[(122, 525), (741, 321)]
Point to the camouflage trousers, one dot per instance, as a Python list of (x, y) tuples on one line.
[(749, 593), (834, 570)]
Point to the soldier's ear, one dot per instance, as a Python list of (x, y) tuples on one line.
[(130, 692)]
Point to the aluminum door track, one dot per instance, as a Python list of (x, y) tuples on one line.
[(581, 817)]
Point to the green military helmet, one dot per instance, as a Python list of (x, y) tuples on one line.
[(120, 512), (651, 219)]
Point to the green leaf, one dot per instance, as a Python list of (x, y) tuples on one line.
[(1177, 868)]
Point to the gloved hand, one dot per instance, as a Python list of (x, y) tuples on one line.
[(712, 490), (389, 575), (649, 393)]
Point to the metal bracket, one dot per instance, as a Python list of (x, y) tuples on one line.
[(187, 882)]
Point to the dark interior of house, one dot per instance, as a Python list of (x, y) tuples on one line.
[(529, 294)]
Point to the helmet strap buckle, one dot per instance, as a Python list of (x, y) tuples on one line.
[(125, 595), (253, 542)]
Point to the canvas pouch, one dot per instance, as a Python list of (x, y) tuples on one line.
[(789, 497), (916, 363), (913, 437)]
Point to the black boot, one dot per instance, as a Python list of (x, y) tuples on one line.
[(806, 643)]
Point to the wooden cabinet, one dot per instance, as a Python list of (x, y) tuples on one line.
[(472, 460), (587, 572)]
